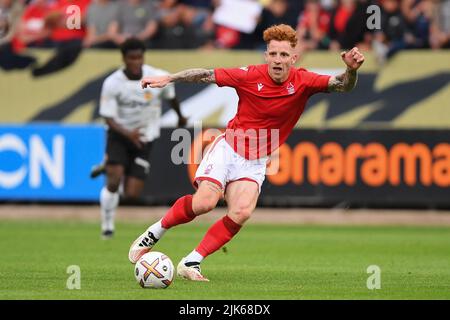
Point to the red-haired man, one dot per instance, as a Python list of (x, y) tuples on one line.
[(272, 97)]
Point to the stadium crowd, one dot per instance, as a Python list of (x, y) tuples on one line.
[(228, 24)]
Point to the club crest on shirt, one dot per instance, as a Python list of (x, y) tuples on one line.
[(208, 169), (148, 95), (290, 88)]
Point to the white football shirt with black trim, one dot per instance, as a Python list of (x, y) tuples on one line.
[(132, 107)]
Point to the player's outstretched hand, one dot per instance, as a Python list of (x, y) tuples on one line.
[(155, 82), (353, 58)]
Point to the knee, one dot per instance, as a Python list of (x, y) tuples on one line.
[(132, 193), (113, 183), (112, 186), (240, 214), (204, 203)]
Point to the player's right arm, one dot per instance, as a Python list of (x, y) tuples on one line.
[(190, 75)]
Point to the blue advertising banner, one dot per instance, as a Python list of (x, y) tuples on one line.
[(50, 162)]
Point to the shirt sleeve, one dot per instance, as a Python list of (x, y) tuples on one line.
[(230, 77), (108, 102), (316, 82)]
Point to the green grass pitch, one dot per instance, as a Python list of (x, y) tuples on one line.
[(262, 262)]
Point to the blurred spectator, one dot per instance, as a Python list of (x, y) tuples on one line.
[(99, 23), (169, 13), (10, 13), (136, 18), (328, 5), (338, 24), (66, 38), (276, 12), (184, 24), (394, 34), (197, 13), (313, 27), (197, 19), (348, 25), (419, 16), (4, 19), (33, 30), (233, 19), (440, 27), (357, 33), (295, 8), (171, 33), (60, 16), (233, 24)]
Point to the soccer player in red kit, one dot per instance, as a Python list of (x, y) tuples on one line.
[(272, 97)]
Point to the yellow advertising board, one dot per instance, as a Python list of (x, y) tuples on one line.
[(412, 90)]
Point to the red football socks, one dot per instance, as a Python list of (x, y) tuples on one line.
[(180, 212), (217, 235)]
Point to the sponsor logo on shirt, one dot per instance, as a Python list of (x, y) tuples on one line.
[(244, 68), (260, 86)]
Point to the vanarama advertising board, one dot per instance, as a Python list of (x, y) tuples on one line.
[(329, 167)]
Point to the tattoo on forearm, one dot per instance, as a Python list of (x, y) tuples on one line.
[(343, 82), (195, 75)]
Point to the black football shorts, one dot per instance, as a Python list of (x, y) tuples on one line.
[(120, 150)]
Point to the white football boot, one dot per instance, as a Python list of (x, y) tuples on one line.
[(193, 272), (143, 244)]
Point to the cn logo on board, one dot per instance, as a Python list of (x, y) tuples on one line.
[(28, 160)]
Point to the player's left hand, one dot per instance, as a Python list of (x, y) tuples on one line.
[(353, 58), (182, 121)]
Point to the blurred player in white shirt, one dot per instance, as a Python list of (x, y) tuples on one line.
[(133, 119)]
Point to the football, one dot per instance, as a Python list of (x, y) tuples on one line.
[(154, 270)]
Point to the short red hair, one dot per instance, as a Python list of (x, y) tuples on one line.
[(281, 32)]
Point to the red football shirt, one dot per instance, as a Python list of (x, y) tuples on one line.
[(33, 21), (63, 33), (267, 112)]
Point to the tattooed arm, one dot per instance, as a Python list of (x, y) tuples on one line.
[(194, 75), (343, 82), (190, 75), (347, 80)]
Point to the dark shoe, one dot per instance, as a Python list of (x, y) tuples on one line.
[(107, 234), (98, 170)]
